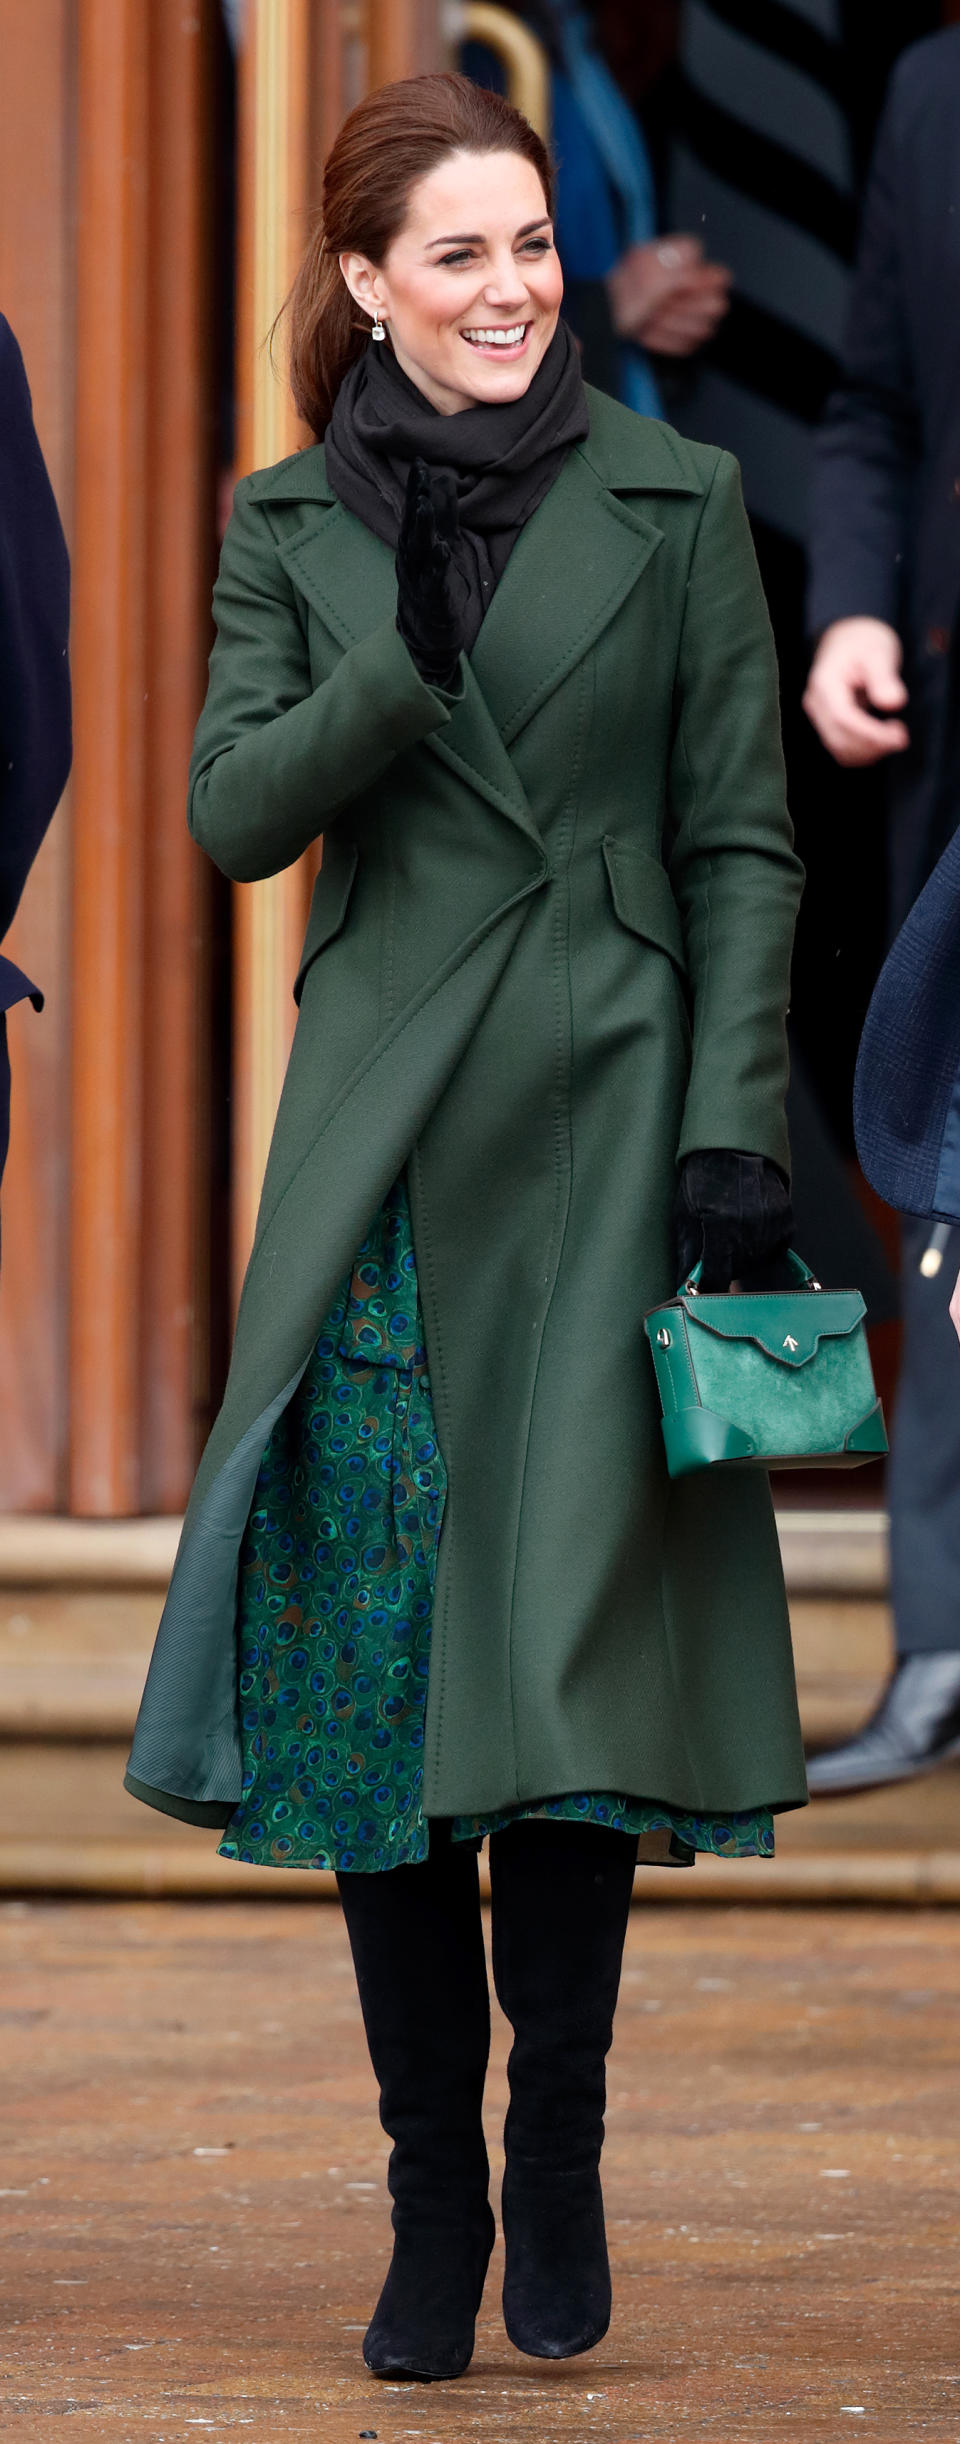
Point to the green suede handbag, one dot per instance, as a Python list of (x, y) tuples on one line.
[(765, 1379)]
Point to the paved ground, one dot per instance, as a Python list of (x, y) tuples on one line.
[(194, 2223)]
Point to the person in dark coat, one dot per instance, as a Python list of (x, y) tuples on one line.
[(34, 671), (907, 1120), (883, 603)]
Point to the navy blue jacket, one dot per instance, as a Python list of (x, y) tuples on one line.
[(34, 672), (907, 1088), (885, 534)]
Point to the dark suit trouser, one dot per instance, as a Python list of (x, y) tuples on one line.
[(923, 1480)]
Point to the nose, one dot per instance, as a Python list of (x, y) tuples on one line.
[(505, 286)]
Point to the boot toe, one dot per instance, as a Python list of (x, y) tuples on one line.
[(422, 2329), (404, 2360), (542, 2336), (556, 2289)]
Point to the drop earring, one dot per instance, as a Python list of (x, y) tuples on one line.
[(379, 330)]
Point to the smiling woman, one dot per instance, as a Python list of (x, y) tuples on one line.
[(493, 292), (502, 642), (437, 224)]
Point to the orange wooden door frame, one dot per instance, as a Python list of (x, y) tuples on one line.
[(274, 201), (301, 67), (110, 671), (181, 559), (141, 587)]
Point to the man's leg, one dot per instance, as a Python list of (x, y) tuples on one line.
[(917, 1724)]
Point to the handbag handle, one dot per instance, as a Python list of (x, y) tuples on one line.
[(805, 1279)]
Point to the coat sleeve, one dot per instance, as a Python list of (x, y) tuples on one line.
[(732, 866), (870, 441), (275, 760), (34, 623)]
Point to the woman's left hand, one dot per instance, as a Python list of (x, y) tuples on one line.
[(431, 595), (732, 1214)]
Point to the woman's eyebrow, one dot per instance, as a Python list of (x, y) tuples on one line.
[(474, 237)]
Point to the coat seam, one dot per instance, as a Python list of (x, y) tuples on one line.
[(365, 1068), (695, 793), (663, 1591), (563, 1144), (423, 1252), (661, 1576), (572, 653)]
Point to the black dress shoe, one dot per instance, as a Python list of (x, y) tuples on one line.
[(916, 1726)]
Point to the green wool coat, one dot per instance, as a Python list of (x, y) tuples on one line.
[(548, 954)]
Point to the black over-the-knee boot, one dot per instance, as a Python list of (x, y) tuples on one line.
[(561, 1896), (417, 1944)]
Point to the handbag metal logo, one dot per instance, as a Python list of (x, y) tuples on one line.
[(790, 1343)]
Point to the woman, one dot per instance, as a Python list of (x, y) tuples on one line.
[(502, 642)]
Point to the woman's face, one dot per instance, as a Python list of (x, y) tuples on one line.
[(470, 290)]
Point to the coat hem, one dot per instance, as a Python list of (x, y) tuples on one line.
[(216, 1812)]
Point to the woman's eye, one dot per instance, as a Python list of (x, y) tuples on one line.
[(464, 254)]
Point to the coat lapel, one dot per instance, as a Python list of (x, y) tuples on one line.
[(348, 576), (570, 570)]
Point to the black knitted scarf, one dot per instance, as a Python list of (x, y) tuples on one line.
[(504, 458)]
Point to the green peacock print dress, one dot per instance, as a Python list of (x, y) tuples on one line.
[(336, 1602)]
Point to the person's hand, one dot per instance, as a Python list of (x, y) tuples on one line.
[(955, 1307), (732, 1215), (431, 590), (665, 296), (856, 666)]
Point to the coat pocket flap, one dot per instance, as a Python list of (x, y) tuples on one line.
[(331, 899), (642, 897), (788, 1329)]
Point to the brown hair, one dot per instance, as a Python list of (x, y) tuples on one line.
[(394, 137)]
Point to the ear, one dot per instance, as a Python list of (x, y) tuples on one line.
[(364, 283)]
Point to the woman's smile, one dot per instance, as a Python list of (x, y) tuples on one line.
[(508, 340)]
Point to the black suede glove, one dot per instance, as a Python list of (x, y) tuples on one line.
[(733, 1212), (431, 591)]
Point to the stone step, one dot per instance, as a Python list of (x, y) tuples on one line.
[(74, 1646), (73, 1662), (55, 1791), (67, 1823), (836, 1551)]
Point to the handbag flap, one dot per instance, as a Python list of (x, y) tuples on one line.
[(787, 1325)]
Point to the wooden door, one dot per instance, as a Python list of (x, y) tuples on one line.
[(118, 187)]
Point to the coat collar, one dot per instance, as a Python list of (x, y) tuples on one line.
[(570, 570), (628, 453)]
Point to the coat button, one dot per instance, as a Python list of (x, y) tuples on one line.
[(955, 487), (938, 640)]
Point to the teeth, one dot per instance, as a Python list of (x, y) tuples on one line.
[(498, 339)]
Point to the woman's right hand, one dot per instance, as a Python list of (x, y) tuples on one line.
[(732, 1216), (431, 593)]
